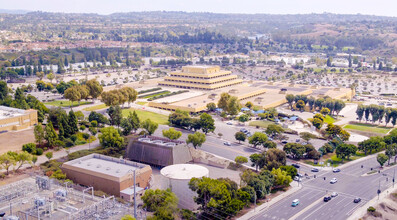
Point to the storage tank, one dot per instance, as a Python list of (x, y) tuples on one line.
[(177, 178)]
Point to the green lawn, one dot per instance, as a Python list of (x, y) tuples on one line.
[(262, 124), (333, 160), (66, 103), (153, 95), (367, 128), (141, 103), (95, 107), (328, 119), (143, 115)]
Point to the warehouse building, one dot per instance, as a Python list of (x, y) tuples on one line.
[(14, 119), (108, 174)]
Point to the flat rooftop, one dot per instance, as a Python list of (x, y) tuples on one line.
[(8, 112), (105, 165)]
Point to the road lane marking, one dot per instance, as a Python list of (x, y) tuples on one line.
[(306, 209)]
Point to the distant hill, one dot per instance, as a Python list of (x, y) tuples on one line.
[(13, 11)]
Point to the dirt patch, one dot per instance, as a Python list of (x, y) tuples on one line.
[(387, 209), (13, 141)]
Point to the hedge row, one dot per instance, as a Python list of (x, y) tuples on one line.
[(150, 94)]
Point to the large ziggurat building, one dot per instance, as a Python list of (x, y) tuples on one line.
[(201, 77), (207, 83)]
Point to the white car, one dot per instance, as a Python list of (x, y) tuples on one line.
[(334, 194), (227, 143), (229, 123), (333, 180)]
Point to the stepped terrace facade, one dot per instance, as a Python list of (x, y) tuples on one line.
[(201, 77)]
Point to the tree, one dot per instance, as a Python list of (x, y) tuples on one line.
[(325, 111), (233, 106), (223, 101), (290, 99), (329, 61), (196, 139), (94, 88), (372, 144), (39, 133), (300, 104), (291, 171), (211, 106), (23, 158), (72, 122), (258, 160), (110, 138), (317, 123), (50, 135), (337, 131), (281, 178), (243, 118), (49, 155), (307, 136), (115, 115), (258, 138), (240, 160), (295, 150), (274, 130), (162, 202), (50, 76), (360, 112), (240, 136), (338, 106), (150, 126), (207, 123), (249, 105), (127, 217), (172, 134), (3, 90), (6, 161), (345, 151), (72, 94), (381, 158), (34, 160)]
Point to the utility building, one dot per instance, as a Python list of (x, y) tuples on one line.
[(14, 119), (109, 174)]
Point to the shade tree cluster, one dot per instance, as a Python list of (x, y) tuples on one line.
[(376, 113), (301, 101), (229, 104), (182, 119), (119, 96)]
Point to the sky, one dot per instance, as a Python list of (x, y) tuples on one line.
[(369, 7)]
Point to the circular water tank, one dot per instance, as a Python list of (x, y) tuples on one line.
[(177, 178)]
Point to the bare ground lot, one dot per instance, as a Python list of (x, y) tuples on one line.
[(13, 140), (387, 209)]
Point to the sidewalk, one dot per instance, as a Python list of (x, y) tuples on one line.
[(251, 214), (61, 153)]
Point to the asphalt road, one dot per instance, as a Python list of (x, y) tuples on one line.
[(351, 184)]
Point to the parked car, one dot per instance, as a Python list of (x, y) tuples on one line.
[(298, 140), (334, 194), (295, 165), (357, 200), (315, 170), (298, 179), (243, 130), (227, 143), (295, 202), (229, 123), (299, 174), (336, 170), (284, 142), (333, 180), (327, 198)]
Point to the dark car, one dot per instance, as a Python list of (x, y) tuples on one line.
[(327, 198), (357, 200), (315, 170), (295, 165), (284, 142)]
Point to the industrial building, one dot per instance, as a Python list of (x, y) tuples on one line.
[(108, 174), (157, 151), (14, 119), (177, 177)]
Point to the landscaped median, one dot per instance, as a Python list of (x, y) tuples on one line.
[(66, 103), (368, 128)]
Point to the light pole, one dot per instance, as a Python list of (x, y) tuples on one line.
[(394, 175)]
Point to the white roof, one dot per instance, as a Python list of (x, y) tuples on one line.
[(130, 190), (184, 171)]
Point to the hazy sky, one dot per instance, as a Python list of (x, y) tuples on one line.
[(372, 7)]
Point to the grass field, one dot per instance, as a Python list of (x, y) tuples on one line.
[(65, 103), (95, 107), (262, 124), (141, 103), (143, 115), (367, 128), (328, 119), (333, 160), (151, 96)]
